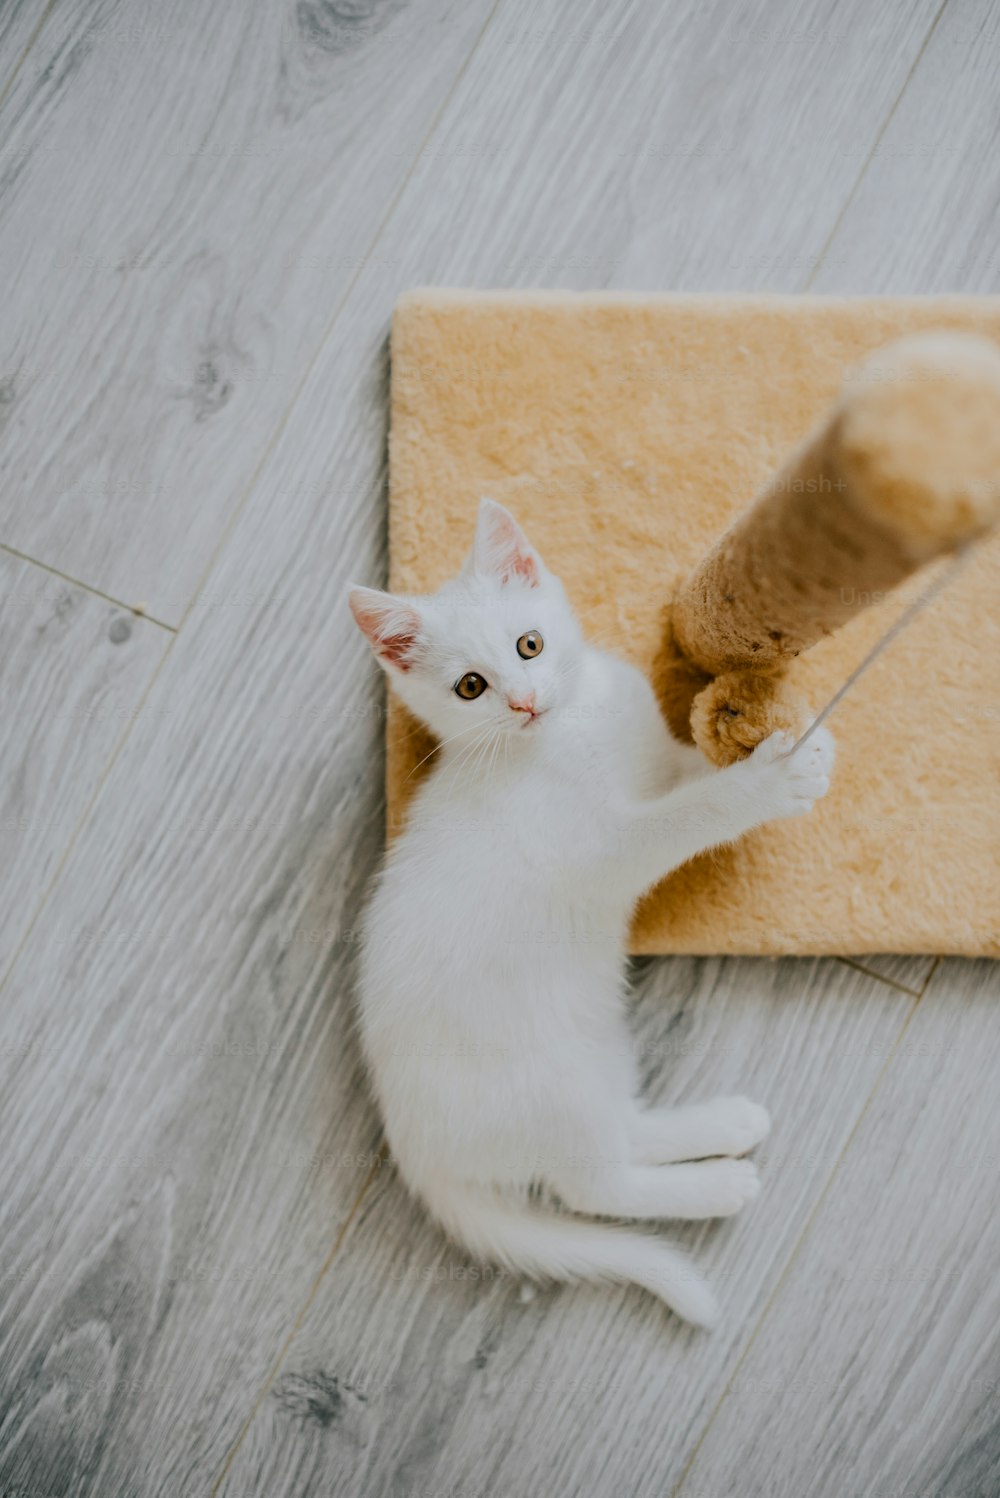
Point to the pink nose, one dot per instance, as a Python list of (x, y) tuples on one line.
[(524, 704)]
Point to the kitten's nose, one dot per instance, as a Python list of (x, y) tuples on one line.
[(525, 704)]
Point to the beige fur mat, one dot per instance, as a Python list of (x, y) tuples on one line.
[(625, 432)]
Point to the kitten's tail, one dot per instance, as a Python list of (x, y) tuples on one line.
[(544, 1245)]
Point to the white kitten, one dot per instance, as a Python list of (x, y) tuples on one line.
[(492, 978)]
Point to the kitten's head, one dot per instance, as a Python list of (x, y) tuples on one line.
[(498, 647)]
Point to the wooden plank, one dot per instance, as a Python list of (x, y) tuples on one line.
[(884, 1345), (926, 216), (414, 1372), (184, 209), (73, 669)]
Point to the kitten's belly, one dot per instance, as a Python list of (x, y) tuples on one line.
[(487, 1099), (491, 1016)]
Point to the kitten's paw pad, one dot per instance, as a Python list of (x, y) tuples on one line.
[(731, 1185), (740, 1123)]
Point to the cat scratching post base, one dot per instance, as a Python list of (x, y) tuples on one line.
[(628, 433)]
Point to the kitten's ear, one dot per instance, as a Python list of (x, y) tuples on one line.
[(501, 549), (390, 625)]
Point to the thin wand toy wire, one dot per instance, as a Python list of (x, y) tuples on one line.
[(947, 574)]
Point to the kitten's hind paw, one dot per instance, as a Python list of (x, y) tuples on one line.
[(735, 1183), (700, 1131), (737, 1125), (716, 1188), (685, 1291), (697, 1304)]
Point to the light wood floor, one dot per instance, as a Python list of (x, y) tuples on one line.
[(212, 1282)]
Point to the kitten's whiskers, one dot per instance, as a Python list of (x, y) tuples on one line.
[(461, 734)]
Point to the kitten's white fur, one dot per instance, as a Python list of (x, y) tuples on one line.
[(492, 1009)]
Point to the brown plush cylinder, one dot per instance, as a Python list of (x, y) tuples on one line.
[(905, 468)]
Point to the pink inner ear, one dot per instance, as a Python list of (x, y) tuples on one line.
[(392, 629), (523, 565), (514, 556), (397, 649)]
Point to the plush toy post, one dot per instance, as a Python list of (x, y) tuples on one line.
[(905, 468)]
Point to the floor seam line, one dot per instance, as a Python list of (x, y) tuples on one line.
[(76, 582), (933, 969), (880, 135), (858, 966)]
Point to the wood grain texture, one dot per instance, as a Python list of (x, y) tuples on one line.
[(628, 146), (416, 1373), (884, 1345), (73, 669), (926, 215), (184, 207), (190, 1134), (185, 1133), (20, 26)]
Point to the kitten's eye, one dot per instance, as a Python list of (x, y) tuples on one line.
[(470, 686), (530, 645)]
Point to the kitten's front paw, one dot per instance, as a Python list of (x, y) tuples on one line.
[(790, 784)]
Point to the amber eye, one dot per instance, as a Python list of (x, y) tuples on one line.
[(471, 686), (530, 645)]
